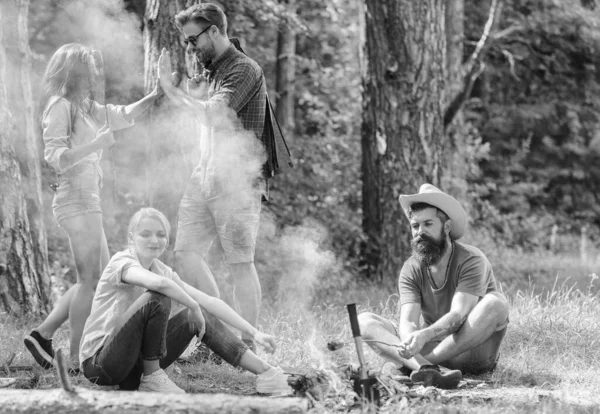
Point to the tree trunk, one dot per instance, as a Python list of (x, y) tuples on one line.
[(285, 71), (89, 401), (402, 130), (25, 282), (455, 177), (171, 138)]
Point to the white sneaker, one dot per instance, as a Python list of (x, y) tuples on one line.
[(158, 381), (273, 381)]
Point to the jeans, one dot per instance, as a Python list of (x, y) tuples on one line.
[(145, 332)]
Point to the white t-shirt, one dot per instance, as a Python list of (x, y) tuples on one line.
[(112, 299)]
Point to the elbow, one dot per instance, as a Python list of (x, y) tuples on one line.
[(161, 285)]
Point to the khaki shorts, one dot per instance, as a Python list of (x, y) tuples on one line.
[(233, 218)]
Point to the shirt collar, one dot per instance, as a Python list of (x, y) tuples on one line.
[(213, 66)]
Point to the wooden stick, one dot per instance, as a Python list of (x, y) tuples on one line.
[(61, 368)]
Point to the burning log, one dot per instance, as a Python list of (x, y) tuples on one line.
[(308, 381)]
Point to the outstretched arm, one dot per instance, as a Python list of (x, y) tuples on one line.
[(135, 109), (221, 310)]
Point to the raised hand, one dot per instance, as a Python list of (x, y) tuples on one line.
[(164, 69)]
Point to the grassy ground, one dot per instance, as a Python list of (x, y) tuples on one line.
[(550, 358)]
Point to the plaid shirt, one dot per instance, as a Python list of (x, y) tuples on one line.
[(237, 82)]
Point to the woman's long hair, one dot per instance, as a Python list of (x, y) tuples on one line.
[(72, 74)]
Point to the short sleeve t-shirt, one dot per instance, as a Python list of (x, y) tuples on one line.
[(112, 299), (469, 272)]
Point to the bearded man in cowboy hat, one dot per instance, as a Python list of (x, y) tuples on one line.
[(451, 287)]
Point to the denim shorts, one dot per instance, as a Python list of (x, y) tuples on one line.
[(232, 217), (78, 192)]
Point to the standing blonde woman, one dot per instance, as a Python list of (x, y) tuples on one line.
[(76, 130), (129, 339)]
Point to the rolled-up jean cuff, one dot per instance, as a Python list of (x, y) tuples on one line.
[(240, 353)]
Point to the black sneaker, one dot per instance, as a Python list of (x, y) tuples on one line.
[(432, 375), (40, 348)]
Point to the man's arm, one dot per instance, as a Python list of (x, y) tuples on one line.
[(462, 305), (410, 314)]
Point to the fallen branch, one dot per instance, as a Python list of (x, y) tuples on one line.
[(61, 369), (91, 401)]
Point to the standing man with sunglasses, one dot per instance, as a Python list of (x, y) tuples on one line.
[(223, 197)]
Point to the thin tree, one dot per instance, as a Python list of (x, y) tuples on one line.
[(24, 279), (402, 125)]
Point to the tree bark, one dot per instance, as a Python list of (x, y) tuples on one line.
[(90, 401), (285, 71), (402, 130), (25, 283)]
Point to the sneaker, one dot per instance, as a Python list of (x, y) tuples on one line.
[(158, 381), (273, 381), (432, 375), (40, 348)]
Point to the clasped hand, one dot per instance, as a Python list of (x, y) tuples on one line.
[(412, 345), (266, 341)]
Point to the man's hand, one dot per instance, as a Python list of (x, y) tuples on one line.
[(413, 344), (266, 341), (196, 87)]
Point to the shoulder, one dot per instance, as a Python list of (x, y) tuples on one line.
[(244, 63), (57, 104), (410, 268), (470, 258), (120, 259)]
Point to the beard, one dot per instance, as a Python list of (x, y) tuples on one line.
[(428, 250), (206, 54)]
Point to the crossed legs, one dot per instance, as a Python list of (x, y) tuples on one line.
[(473, 348)]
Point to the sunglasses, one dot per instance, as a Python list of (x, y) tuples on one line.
[(194, 39)]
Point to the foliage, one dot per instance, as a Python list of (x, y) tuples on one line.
[(538, 108)]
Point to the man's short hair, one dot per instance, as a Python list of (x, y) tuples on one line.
[(415, 207), (203, 13)]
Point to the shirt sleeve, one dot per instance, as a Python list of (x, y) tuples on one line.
[(408, 288), (56, 132), (118, 266), (116, 115), (471, 276), (236, 89)]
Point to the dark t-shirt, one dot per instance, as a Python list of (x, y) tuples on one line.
[(469, 272)]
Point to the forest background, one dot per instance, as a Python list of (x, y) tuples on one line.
[(530, 144)]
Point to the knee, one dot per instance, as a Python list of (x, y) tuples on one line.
[(159, 299), (366, 322), (495, 305)]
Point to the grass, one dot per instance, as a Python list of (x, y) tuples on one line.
[(550, 357)]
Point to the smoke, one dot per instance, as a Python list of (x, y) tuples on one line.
[(295, 262), (108, 27)]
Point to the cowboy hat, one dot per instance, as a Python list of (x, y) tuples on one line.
[(434, 196)]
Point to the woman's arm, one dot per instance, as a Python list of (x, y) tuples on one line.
[(135, 109), (71, 156), (139, 276), (218, 308)]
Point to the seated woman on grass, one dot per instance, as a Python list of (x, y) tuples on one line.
[(129, 339)]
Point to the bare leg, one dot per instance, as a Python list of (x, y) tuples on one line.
[(192, 268), (58, 316), (247, 292), (485, 318), (374, 327), (251, 362), (90, 251)]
